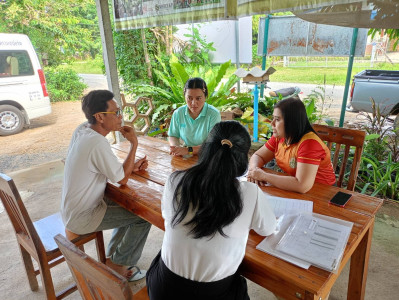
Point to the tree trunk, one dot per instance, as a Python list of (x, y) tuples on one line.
[(171, 39), (146, 56), (167, 40)]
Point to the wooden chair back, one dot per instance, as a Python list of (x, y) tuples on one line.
[(344, 139), (94, 280), (19, 217), (36, 241)]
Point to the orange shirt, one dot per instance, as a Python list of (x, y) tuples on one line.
[(309, 150)]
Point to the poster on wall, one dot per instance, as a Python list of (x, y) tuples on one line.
[(223, 35)]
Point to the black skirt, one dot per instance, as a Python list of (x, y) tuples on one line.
[(163, 284)]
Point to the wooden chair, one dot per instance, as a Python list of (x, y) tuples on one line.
[(36, 239), (343, 138), (95, 280)]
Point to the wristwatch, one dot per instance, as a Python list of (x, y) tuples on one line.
[(190, 150)]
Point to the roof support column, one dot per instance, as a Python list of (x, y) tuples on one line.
[(107, 41)]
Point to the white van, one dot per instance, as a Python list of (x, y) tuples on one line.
[(23, 93)]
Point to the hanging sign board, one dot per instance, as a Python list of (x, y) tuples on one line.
[(134, 14), (292, 36)]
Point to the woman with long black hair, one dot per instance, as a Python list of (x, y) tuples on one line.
[(208, 214)]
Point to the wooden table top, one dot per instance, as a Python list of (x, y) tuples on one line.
[(144, 189)]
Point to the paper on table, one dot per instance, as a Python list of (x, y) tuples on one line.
[(318, 239), (288, 206), (268, 245), (286, 209)]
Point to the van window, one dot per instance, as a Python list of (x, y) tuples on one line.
[(15, 63)]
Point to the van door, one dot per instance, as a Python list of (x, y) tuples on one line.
[(20, 87)]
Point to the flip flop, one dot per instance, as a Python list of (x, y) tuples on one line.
[(137, 273)]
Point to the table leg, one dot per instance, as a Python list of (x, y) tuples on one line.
[(359, 266)]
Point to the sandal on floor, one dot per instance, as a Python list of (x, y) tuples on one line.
[(137, 273)]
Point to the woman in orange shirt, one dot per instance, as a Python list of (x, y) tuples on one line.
[(298, 151)]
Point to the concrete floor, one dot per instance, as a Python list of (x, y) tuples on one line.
[(40, 188)]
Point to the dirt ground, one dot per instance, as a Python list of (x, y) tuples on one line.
[(46, 140)]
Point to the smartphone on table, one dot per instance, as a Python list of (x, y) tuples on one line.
[(340, 199)]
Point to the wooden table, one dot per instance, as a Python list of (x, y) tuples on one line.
[(142, 196)]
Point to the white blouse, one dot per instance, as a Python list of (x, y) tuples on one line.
[(205, 259)]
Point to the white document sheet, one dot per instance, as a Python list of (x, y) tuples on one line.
[(317, 239), (269, 244), (288, 206), (286, 210)]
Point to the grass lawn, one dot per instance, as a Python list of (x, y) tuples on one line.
[(314, 74), (90, 66)]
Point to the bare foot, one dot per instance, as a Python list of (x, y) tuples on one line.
[(119, 268)]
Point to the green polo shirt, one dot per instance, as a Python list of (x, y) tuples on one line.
[(193, 132)]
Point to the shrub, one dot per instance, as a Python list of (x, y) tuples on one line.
[(64, 84)]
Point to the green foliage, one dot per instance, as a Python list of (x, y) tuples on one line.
[(317, 103), (58, 29), (196, 52), (88, 66), (130, 57), (173, 76), (63, 84), (379, 178), (382, 138), (379, 169)]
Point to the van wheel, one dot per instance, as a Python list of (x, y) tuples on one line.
[(12, 120)]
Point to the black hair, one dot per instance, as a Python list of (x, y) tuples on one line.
[(94, 102), (210, 188), (296, 122), (196, 83)]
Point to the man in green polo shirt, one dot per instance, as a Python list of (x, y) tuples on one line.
[(192, 122)]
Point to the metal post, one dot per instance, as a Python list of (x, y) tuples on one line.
[(237, 31), (109, 57), (256, 92), (348, 76), (264, 52)]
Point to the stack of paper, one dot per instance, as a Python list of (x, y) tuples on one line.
[(317, 239), (285, 209), (304, 238)]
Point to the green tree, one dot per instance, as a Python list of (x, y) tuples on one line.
[(59, 30), (130, 56)]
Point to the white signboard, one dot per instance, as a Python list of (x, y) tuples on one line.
[(223, 36)]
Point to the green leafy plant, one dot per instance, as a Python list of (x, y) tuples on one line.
[(383, 136), (316, 103), (64, 84), (379, 178), (196, 51), (379, 170), (174, 76)]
